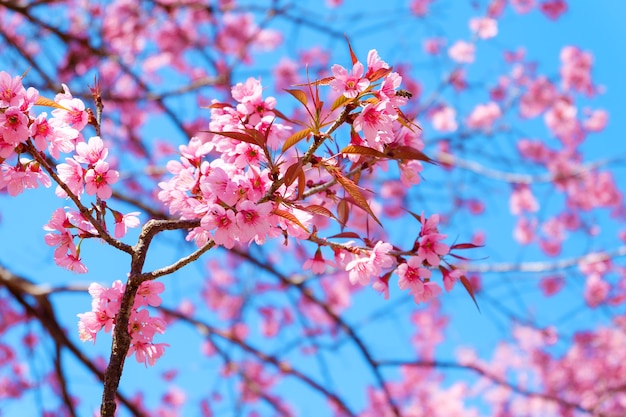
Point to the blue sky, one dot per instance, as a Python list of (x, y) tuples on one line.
[(595, 26)]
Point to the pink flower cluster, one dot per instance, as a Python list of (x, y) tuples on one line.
[(96, 178), (414, 275), (58, 133), (61, 227), (377, 118), (224, 192), (142, 327)]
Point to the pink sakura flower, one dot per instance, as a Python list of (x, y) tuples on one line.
[(523, 6), (253, 220), (411, 275), (596, 290), (317, 264), (148, 294), (55, 135), (12, 91), (286, 73), (524, 231), (59, 223), (431, 291), (376, 122), (551, 285), (75, 115), (596, 121), (147, 353), (14, 126), (451, 277), (443, 119), (250, 91), (223, 221), (434, 46), (91, 152), (380, 255), (420, 7), (350, 84), (553, 8), (124, 221), (89, 324), (483, 116), (382, 286), (540, 95), (431, 249), (71, 262), (410, 173), (462, 52), (71, 173), (26, 174), (484, 27), (361, 270), (389, 87), (576, 68), (522, 200), (374, 63), (98, 180)]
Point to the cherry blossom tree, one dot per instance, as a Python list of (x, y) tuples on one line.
[(307, 208)]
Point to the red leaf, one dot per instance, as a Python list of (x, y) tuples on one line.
[(346, 235), (240, 136), (340, 101), (352, 55), (354, 191), (289, 216), (298, 95), (296, 137), (465, 246), (317, 209), (343, 212), (379, 73), (363, 150), (42, 101), (469, 289), (408, 152), (292, 173)]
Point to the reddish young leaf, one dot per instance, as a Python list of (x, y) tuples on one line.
[(292, 173), (240, 136), (407, 152), (379, 73), (340, 101), (465, 246), (317, 209), (42, 101), (296, 137), (217, 106), (354, 191), (345, 235), (298, 95), (352, 55), (289, 216), (469, 289), (363, 150), (343, 212)]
